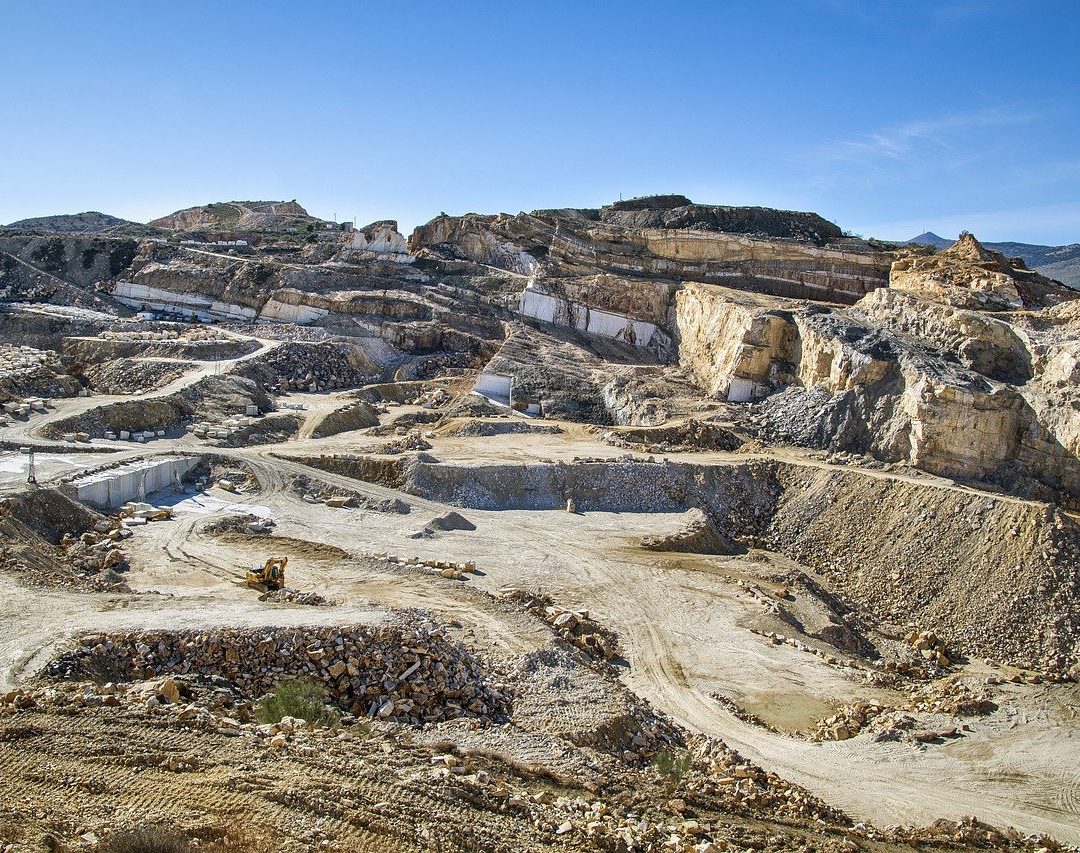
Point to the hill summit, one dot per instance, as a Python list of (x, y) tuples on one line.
[(234, 215), (90, 222)]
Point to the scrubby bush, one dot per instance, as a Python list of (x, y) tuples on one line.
[(147, 839), (672, 765), (297, 697)]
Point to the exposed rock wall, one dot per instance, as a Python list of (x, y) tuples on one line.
[(798, 255), (732, 348), (994, 576), (987, 345), (898, 377)]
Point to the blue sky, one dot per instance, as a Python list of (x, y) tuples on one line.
[(887, 117)]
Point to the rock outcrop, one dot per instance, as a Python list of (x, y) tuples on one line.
[(968, 275)]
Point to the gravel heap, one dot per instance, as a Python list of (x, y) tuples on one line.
[(309, 367), (976, 574), (128, 376), (405, 672), (575, 627)]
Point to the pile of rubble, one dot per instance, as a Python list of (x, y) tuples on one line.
[(954, 698), (311, 367), (28, 372), (133, 376), (336, 497), (848, 721), (411, 441), (286, 595), (52, 541), (576, 627), (358, 415), (405, 672), (930, 646), (161, 332), (487, 428), (688, 437), (721, 772), (697, 536), (436, 398)]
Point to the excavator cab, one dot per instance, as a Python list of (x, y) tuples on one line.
[(269, 576)]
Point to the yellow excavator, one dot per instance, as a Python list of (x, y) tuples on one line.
[(268, 577)]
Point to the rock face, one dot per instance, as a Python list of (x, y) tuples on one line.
[(985, 344), (779, 252), (915, 373), (381, 240), (734, 347)]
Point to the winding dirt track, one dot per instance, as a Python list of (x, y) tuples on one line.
[(682, 631)]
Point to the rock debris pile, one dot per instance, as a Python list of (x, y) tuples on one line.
[(407, 673), (310, 367), (133, 376), (26, 372), (295, 596), (576, 627), (689, 436)]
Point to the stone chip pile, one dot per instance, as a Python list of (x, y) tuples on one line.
[(402, 672), (576, 627), (312, 367)]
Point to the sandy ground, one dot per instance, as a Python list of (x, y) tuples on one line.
[(685, 626)]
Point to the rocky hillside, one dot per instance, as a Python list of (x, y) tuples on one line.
[(1057, 262), (960, 362), (235, 216), (90, 222)]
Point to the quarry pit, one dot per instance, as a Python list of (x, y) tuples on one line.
[(527, 611)]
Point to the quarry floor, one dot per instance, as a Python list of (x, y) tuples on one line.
[(686, 624)]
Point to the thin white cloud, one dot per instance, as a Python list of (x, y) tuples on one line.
[(908, 141)]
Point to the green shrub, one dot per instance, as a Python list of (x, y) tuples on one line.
[(673, 765), (297, 697), (147, 839)]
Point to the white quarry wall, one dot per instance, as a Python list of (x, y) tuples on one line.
[(540, 306), (286, 312), (114, 488), (194, 305), (494, 385), (563, 312), (383, 243)]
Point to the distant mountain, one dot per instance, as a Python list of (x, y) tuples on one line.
[(90, 222), (1058, 262), (236, 216), (929, 238)]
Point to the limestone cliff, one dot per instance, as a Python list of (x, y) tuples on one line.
[(779, 252)]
